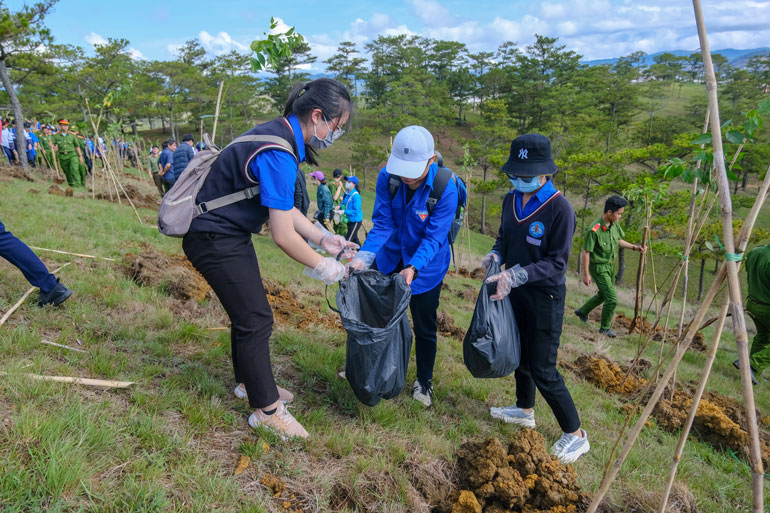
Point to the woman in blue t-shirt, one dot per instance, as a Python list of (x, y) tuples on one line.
[(219, 242), (351, 207)]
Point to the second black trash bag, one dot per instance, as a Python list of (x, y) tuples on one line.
[(373, 308), (491, 346)]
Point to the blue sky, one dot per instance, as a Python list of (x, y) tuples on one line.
[(594, 28)]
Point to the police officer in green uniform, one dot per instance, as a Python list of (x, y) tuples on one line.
[(46, 153), (69, 154), (82, 168), (758, 307), (597, 261)]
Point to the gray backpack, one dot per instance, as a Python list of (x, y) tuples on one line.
[(178, 208)]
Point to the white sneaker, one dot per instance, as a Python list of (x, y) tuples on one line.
[(513, 415), (283, 395), (422, 393), (570, 447), (281, 422)]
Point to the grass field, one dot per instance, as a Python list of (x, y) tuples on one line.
[(172, 441)]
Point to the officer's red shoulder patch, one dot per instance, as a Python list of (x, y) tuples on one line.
[(596, 227)]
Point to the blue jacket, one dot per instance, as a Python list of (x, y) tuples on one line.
[(182, 156), (351, 204), (166, 157), (404, 232)]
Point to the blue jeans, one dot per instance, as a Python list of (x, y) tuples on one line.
[(17, 253)]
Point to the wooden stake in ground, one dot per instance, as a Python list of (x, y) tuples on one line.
[(104, 383), (25, 296), (216, 112), (639, 302), (727, 270), (49, 343), (731, 259), (73, 254), (750, 220)]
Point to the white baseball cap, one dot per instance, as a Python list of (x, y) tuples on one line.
[(412, 149)]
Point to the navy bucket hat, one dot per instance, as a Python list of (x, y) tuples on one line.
[(530, 156)]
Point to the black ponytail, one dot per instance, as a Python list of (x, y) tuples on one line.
[(324, 93)]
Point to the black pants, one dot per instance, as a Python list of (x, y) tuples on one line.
[(352, 235), (230, 266), (424, 308), (539, 313)]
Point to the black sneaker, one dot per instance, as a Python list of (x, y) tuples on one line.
[(58, 295), (754, 380), (582, 317), (607, 332)]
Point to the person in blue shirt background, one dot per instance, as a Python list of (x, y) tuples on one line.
[(407, 240), (166, 161), (351, 207)]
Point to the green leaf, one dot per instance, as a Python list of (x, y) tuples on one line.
[(727, 123), (709, 246), (737, 167), (702, 139), (732, 176), (764, 107), (734, 136)]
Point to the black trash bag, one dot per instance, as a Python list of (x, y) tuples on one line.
[(491, 346), (373, 308)]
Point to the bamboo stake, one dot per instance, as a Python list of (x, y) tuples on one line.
[(733, 283), (79, 381), (73, 254), (216, 112), (690, 226), (639, 303), (25, 296), (48, 342), (742, 243)]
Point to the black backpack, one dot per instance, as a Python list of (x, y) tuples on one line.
[(443, 175)]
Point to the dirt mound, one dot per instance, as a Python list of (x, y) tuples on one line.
[(55, 190), (446, 326), (644, 327), (289, 502), (174, 273), (289, 310), (34, 191), (18, 172), (468, 294), (140, 200), (681, 500), (523, 476), (607, 374), (478, 273), (719, 421)]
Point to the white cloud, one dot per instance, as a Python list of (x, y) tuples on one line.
[(136, 54), (432, 13), (94, 39), (220, 44), (173, 49)]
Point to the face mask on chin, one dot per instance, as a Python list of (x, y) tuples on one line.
[(327, 141), (524, 186)]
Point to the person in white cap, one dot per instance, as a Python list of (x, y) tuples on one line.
[(411, 238)]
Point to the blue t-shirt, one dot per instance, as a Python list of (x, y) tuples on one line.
[(276, 172)]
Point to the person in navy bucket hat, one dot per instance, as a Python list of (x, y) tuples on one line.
[(534, 243)]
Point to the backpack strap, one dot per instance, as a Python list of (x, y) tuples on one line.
[(440, 182), (394, 182), (272, 141)]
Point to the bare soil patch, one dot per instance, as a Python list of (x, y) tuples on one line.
[(446, 326), (606, 374), (150, 201), (174, 273), (289, 310)]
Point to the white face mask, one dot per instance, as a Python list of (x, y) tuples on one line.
[(350, 186), (327, 141)]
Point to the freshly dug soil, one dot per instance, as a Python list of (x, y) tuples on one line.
[(478, 273), (644, 327), (719, 420), (608, 375), (174, 273), (140, 200), (290, 311), (446, 326), (520, 477)]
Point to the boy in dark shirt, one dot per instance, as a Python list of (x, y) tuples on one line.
[(534, 244)]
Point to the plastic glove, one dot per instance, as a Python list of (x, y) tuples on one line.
[(492, 256), (335, 244), (507, 280), (328, 270), (361, 262)]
